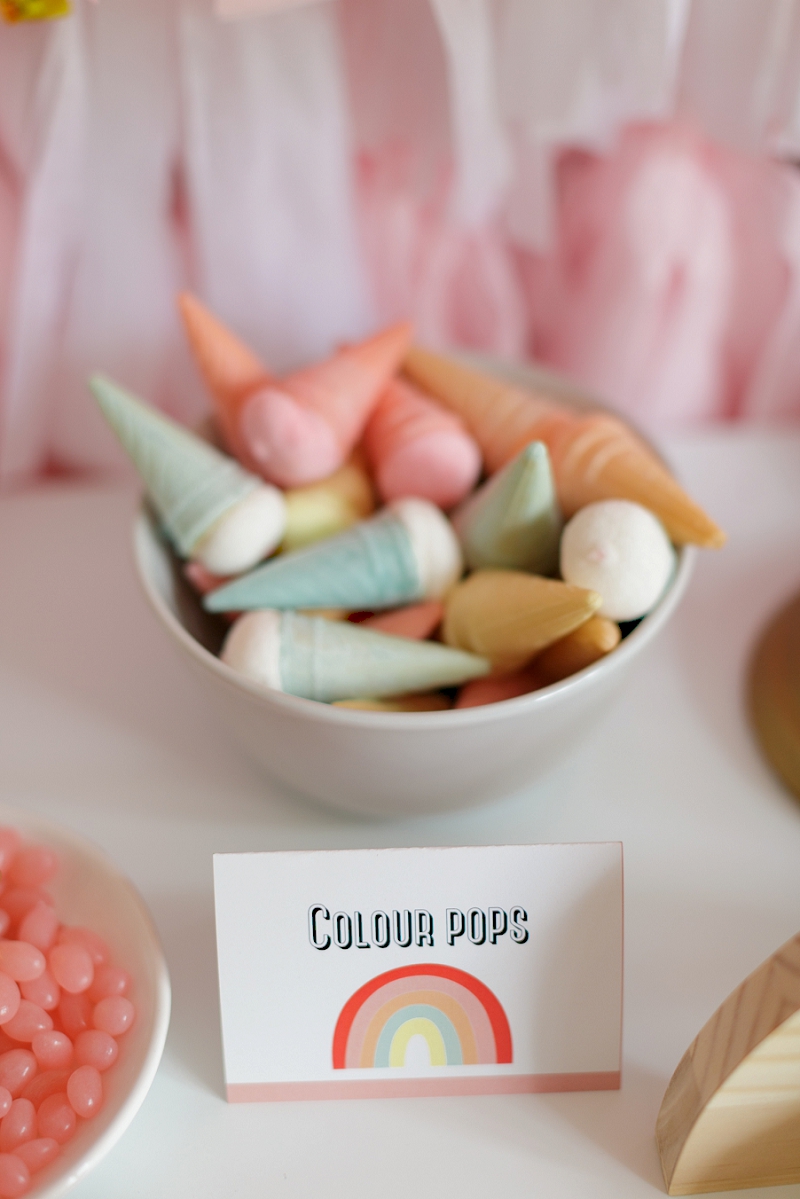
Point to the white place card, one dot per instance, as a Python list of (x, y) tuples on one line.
[(394, 972)]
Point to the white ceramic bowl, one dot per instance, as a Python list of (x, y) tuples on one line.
[(90, 891), (404, 763)]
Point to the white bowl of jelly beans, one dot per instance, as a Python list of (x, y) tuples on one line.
[(84, 1006)]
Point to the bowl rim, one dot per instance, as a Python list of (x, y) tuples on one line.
[(145, 528), (34, 826)]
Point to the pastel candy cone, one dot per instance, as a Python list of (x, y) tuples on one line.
[(191, 484), (372, 565), (497, 687), (302, 429), (579, 649), (231, 370), (594, 457), (431, 701), (514, 520), (417, 621), (415, 447), (326, 508), (508, 616), (327, 661)]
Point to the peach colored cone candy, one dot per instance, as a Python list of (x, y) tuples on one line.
[(231, 370), (15, 1176), (579, 649), (594, 457), (303, 428), (417, 621), (416, 447), (497, 687), (37, 1153)]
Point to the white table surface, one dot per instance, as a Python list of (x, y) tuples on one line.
[(101, 730)]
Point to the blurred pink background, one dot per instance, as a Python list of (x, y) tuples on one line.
[(604, 185)]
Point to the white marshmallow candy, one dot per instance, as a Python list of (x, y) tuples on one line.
[(619, 549), (245, 534)]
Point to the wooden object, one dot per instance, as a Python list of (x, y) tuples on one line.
[(775, 693), (594, 456), (731, 1114)]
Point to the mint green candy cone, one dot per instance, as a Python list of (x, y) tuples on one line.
[(329, 660), (191, 484), (513, 521), (407, 552)]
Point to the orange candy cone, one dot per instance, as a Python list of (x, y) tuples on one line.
[(594, 457), (417, 621), (416, 447), (231, 370)]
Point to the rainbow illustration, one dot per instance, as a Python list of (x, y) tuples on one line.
[(462, 1021)]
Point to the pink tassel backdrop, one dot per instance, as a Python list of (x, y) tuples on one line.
[(606, 186)]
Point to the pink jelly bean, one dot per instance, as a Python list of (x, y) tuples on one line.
[(39, 926), (9, 998), (76, 935), (33, 866), (96, 1048), (108, 981), (21, 961), (114, 1015), (18, 901), (10, 842), (18, 1126), (44, 991), (74, 1014), (15, 1177), (38, 1152), (6, 1099), (5, 921), (84, 1091), (71, 967), (29, 1020), (52, 1050), (17, 1067), (49, 1082), (57, 1118)]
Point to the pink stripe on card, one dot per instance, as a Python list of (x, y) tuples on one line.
[(400, 1088)]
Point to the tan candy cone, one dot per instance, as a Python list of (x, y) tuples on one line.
[(594, 457), (231, 370), (345, 388), (579, 649), (508, 616)]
